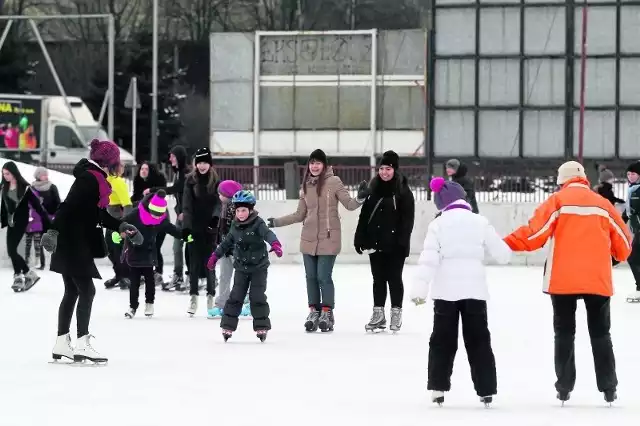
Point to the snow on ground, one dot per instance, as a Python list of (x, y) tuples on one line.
[(172, 370)]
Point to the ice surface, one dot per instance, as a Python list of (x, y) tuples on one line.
[(176, 370)]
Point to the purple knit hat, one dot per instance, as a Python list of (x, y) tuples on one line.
[(105, 153), (446, 192), (229, 187)]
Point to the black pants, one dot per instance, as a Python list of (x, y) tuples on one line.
[(14, 235), (199, 251), (114, 251), (256, 283), (149, 289), (386, 268), (599, 324), (83, 291), (159, 241), (477, 341), (634, 260)]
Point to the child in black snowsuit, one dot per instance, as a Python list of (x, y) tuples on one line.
[(150, 218), (247, 238)]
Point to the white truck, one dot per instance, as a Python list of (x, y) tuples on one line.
[(43, 126)]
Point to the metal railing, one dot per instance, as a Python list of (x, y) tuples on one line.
[(490, 187)]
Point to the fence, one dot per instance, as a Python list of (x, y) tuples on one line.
[(496, 187)]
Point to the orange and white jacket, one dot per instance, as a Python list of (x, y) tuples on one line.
[(584, 230)]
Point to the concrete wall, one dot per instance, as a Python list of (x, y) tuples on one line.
[(505, 217)]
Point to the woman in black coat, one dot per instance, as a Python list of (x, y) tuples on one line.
[(384, 228), (17, 196), (148, 177), (76, 238), (201, 214)]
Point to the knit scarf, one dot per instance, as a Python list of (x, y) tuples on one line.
[(104, 188)]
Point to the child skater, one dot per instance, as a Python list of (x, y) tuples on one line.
[(226, 189), (150, 218), (247, 238), (453, 258)]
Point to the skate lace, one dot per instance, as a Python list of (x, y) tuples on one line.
[(376, 316), (313, 315), (89, 347)]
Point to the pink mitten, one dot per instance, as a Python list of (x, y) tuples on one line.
[(276, 247), (211, 263)]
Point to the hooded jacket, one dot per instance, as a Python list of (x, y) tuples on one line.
[(154, 181), (461, 178), (79, 222), (177, 188)]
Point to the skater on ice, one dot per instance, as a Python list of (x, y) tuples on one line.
[(76, 238), (452, 261), (201, 215), (321, 237), (246, 239), (49, 197), (226, 190), (150, 218), (632, 214), (384, 231), (17, 198), (585, 231)]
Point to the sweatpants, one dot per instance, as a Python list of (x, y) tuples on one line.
[(135, 274), (200, 249), (443, 345), (599, 323), (256, 283), (14, 235), (320, 288), (83, 291), (159, 241), (224, 281), (386, 269), (33, 239), (114, 252)]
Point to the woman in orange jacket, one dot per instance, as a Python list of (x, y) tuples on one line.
[(584, 231)]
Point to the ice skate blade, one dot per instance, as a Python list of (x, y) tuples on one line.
[(632, 300), (71, 362), (82, 359), (375, 330), (58, 357)]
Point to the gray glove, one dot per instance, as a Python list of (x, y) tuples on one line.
[(132, 232), (363, 191), (270, 223), (49, 240)]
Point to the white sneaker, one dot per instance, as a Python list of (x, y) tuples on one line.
[(634, 297), (85, 351), (62, 348), (193, 305), (210, 304), (148, 309)]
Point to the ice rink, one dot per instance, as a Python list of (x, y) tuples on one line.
[(176, 370)]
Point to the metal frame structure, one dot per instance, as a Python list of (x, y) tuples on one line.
[(111, 53), (570, 56)]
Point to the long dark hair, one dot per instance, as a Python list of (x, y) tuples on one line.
[(320, 177), (21, 182), (211, 183)]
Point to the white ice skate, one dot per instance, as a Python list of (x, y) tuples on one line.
[(634, 297), (30, 279), (62, 348), (437, 397), (130, 313), (84, 351), (193, 305), (18, 283), (148, 309), (210, 304)]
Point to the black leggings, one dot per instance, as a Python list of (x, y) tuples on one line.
[(386, 268), (159, 241), (83, 291), (199, 251), (14, 235)]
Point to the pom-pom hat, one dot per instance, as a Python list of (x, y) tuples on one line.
[(155, 211), (104, 154), (229, 187), (446, 192)]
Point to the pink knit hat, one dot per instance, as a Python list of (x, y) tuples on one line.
[(155, 212), (229, 187), (105, 153)]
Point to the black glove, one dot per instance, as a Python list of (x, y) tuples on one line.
[(132, 232), (358, 249), (49, 240), (213, 223), (270, 223), (186, 233), (363, 191)]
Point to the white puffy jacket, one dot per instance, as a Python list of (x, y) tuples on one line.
[(453, 256)]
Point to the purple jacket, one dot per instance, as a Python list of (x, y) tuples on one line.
[(35, 221)]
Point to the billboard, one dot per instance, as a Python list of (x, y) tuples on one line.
[(20, 124)]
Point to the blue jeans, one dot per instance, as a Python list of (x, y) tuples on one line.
[(320, 289)]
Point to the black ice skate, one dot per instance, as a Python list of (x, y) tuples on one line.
[(124, 284), (486, 400), (226, 334), (111, 283), (610, 396), (563, 396), (262, 335), (437, 397), (326, 320), (311, 323), (176, 283), (378, 322)]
